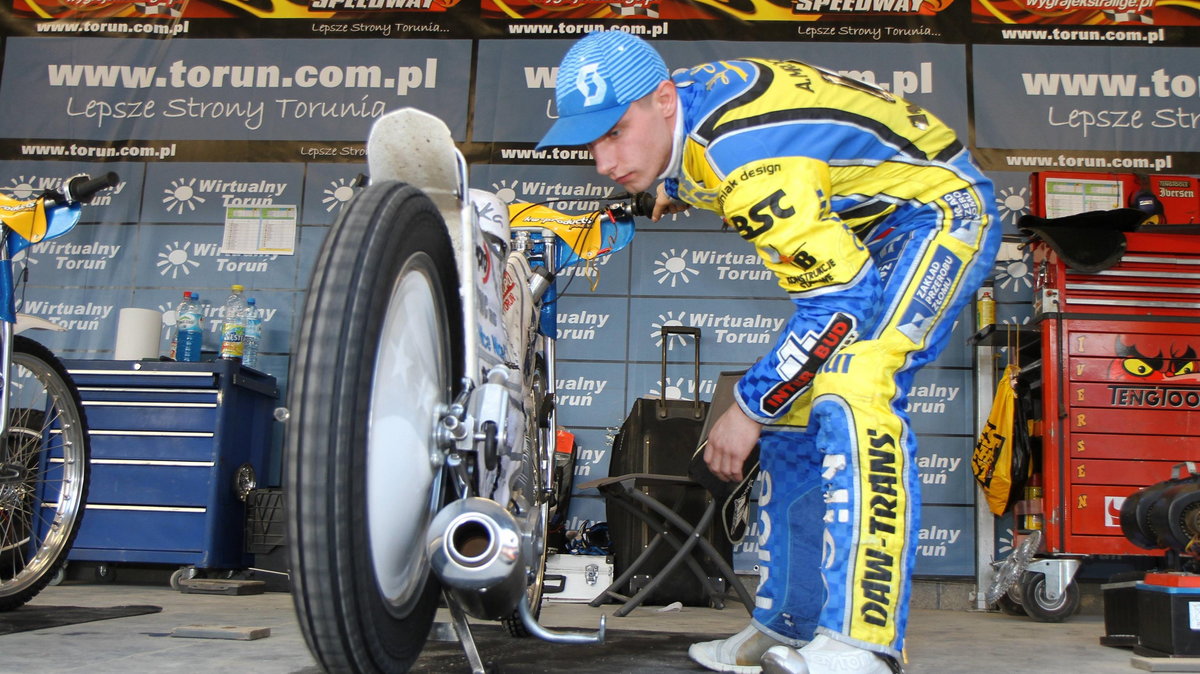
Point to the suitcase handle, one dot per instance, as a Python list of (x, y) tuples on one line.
[(554, 583), (661, 406)]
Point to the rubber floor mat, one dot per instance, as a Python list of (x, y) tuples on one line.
[(622, 651), (35, 617)]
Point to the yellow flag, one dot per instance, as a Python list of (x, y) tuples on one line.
[(992, 461)]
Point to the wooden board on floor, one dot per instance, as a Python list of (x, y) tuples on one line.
[(218, 586), (1149, 664), (235, 632)]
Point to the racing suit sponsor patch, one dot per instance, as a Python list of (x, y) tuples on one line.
[(964, 204), (801, 357), (878, 555), (930, 295)]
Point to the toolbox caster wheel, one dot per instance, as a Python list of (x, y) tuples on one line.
[(1040, 607), (181, 574), (103, 573), (59, 575)]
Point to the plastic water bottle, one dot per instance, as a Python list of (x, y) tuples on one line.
[(233, 326), (253, 334), (173, 328), (189, 330)]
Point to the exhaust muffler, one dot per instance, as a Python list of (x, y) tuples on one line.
[(475, 549)]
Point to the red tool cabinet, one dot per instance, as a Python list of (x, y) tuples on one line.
[(1120, 384)]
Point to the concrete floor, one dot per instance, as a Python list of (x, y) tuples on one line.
[(940, 641)]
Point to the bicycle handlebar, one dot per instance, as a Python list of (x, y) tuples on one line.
[(82, 189)]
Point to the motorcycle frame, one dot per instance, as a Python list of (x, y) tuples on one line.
[(440, 171)]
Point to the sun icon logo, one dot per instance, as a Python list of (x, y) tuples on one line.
[(665, 320), (672, 266), (1012, 203), (175, 260), (26, 259), (22, 187), (1005, 542), (672, 390), (1014, 275), (1012, 320), (168, 314), (337, 194), (505, 190), (181, 195)]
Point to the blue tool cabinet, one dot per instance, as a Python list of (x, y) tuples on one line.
[(168, 440)]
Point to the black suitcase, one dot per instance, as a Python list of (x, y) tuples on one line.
[(660, 436)]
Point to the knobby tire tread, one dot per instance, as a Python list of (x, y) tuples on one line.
[(32, 349)]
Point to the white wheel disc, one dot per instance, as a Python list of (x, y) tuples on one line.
[(409, 389)]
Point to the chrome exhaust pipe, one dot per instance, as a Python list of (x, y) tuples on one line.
[(475, 549)]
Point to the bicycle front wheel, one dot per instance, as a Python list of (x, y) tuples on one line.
[(44, 470)]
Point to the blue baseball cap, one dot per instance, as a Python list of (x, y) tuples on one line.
[(597, 80)]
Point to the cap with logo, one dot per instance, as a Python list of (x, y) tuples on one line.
[(597, 80)]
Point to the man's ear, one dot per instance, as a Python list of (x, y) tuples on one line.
[(667, 98)]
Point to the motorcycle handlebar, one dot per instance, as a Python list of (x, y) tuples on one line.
[(639, 204), (82, 188), (642, 204)]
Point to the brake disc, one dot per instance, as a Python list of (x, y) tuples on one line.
[(1009, 571)]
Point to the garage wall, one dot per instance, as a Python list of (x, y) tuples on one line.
[(205, 105)]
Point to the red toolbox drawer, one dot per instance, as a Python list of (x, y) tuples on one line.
[(1140, 422), (1096, 509), (1170, 448), (1119, 473)]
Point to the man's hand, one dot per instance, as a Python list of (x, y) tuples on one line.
[(730, 441), (665, 205)]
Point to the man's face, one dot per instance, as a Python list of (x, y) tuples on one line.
[(636, 151)]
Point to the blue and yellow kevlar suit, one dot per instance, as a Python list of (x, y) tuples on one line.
[(880, 227)]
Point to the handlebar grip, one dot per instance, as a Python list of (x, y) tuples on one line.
[(83, 188), (642, 204)]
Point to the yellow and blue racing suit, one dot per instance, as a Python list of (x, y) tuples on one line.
[(880, 227)]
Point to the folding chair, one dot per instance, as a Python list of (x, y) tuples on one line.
[(629, 492)]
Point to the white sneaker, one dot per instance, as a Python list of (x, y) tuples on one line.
[(823, 655), (739, 653)]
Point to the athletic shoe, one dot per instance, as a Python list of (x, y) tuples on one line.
[(823, 655), (739, 653)]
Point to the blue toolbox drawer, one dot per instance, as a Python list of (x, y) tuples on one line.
[(148, 417), (168, 440)]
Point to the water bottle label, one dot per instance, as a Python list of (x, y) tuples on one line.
[(189, 345), (231, 341)]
